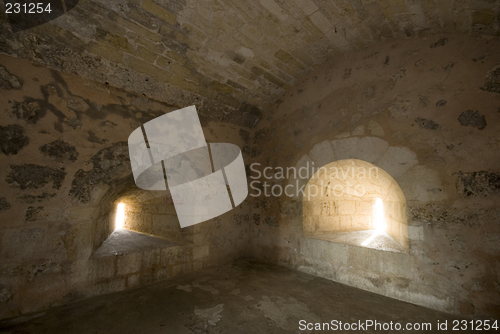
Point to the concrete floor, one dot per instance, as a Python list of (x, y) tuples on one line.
[(242, 297)]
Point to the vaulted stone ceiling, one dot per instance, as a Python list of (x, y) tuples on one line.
[(232, 58)]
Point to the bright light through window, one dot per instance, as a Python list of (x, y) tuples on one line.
[(378, 215), (120, 216), (378, 220)]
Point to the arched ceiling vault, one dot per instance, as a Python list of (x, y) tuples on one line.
[(232, 58)]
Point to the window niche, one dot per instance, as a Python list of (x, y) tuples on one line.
[(355, 202), (141, 221)]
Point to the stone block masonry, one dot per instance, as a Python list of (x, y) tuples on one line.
[(257, 71), (225, 56), (434, 128), (64, 166)]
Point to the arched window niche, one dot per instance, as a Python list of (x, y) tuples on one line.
[(139, 221), (355, 202)]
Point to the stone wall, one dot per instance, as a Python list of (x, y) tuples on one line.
[(152, 213), (153, 216), (426, 111), (232, 58), (64, 165)]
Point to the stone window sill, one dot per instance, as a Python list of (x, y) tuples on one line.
[(123, 241), (369, 239)]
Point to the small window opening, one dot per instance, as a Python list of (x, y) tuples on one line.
[(120, 216), (378, 220)]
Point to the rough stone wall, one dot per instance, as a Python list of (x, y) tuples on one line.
[(426, 111), (231, 58), (64, 163)]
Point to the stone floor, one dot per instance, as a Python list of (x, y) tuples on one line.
[(242, 297)]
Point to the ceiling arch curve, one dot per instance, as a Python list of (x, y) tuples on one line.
[(232, 58)]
